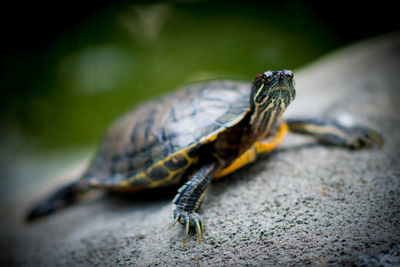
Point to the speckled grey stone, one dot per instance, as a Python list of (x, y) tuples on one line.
[(305, 204)]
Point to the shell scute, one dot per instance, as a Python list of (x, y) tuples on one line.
[(158, 139)]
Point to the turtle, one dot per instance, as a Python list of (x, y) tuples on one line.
[(200, 132)]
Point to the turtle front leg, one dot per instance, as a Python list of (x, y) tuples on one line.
[(189, 198), (333, 133)]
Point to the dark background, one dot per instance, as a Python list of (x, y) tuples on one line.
[(30, 27)]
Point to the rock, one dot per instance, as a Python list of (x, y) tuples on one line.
[(305, 204)]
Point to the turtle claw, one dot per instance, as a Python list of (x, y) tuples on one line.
[(173, 223), (189, 219), (199, 228), (363, 137)]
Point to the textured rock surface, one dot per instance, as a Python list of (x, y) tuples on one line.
[(304, 204)]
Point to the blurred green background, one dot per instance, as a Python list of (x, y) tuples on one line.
[(67, 70), (75, 70)]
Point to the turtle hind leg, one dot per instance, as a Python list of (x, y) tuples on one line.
[(189, 198), (331, 132), (63, 197)]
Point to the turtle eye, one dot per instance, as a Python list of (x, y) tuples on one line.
[(289, 75), (267, 76)]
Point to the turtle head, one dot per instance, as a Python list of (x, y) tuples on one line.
[(271, 93)]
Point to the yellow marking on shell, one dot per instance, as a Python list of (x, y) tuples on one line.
[(251, 154), (126, 185), (139, 176), (210, 138), (145, 175), (171, 173)]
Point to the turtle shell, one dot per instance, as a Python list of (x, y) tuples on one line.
[(169, 125)]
